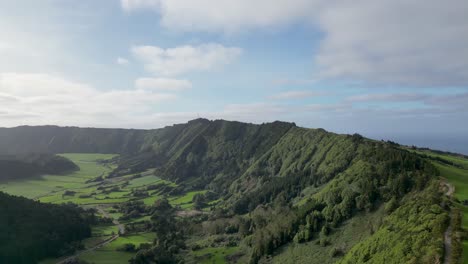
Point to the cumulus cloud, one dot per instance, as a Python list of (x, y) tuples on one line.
[(184, 59), (48, 99), (419, 43), (163, 84), (414, 43)]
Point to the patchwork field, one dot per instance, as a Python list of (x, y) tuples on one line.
[(110, 254), (53, 186), (90, 187)]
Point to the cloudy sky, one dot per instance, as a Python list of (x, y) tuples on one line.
[(388, 68)]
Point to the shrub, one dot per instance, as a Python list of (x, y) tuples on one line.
[(128, 247)]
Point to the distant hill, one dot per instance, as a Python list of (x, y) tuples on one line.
[(23, 166), (53, 139)]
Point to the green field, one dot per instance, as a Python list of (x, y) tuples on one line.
[(214, 255), (457, 177), (54, 185), (51, 188), (109, 253), (185, 201), (451, 158)]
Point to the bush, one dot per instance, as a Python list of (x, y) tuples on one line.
[(336, 252), (128, 247)]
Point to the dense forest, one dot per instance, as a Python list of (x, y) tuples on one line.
[(31, 231), (267, 190), (21, 166)]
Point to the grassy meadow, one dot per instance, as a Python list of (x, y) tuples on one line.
[(50, 187)]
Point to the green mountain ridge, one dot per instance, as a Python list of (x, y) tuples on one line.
[(277, 187)]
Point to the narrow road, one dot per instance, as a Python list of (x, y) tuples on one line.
[(116, 222), (447, 235)]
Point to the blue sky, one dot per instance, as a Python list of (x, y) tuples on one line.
[(389, 68)]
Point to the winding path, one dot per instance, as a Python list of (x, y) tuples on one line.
[(447, 235), (120, 226)]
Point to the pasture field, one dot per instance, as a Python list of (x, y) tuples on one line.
[(109, 253), (214, 255), (457, 177), (54, 185), (79, 187), (460, 161), (185, 201)]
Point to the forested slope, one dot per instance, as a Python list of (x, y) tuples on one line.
[(30, 231)]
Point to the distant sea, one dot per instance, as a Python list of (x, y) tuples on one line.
[(451, 143)]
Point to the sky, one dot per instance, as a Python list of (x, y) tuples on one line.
[(392, 69)]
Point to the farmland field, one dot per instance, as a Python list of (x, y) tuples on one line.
[(52, 185), (109, 253), (90, 187)]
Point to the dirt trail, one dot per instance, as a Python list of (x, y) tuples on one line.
[(447, 244), (447, 235), (102, 243), (114, 221)]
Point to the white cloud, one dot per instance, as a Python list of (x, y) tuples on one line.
[(295, 95), (48, 99), (396, 97), (419, 43), (416, 43), (224, 15), (129, 5), (184, 59), (162, 84), (122, 61)]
